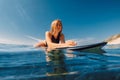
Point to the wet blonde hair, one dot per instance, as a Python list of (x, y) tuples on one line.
[(53, 25)]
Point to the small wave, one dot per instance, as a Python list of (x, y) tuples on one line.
[(116, 55), (22, 77), (112, 46), (17, 48), (24, 66)]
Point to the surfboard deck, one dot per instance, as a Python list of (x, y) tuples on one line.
[(96, 47)]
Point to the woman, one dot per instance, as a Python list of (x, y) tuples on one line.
[(55, 38)]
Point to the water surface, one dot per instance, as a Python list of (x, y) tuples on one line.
[(21, 62)]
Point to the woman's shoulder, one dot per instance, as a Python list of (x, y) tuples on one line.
[(48, 33), (61, 34)]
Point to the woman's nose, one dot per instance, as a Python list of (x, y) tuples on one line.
[(59, 27)]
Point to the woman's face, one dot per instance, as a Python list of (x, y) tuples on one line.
[(58, 26)]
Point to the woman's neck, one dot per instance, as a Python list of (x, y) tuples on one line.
[(55, 34)]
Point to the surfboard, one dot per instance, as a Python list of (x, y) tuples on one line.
[(96, 47), (90, 46)]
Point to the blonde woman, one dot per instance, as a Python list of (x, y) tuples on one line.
[(55, 38)]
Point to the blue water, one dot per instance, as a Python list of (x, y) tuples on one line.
[(22, 62)]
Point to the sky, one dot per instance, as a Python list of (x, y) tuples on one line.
[(83, 20)]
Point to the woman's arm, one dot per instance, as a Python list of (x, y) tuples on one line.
[(62, 38), (69, 42)]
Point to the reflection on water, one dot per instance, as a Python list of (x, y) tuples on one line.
[(98, 50), (55, 63), (57, 67)]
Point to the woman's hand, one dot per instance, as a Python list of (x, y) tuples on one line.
[(71, 43)]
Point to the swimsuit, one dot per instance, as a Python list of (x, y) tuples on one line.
[(55, 40)]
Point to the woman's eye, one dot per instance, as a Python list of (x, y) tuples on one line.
[(58, 24)]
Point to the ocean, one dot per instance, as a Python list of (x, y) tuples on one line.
[(23, 62)]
